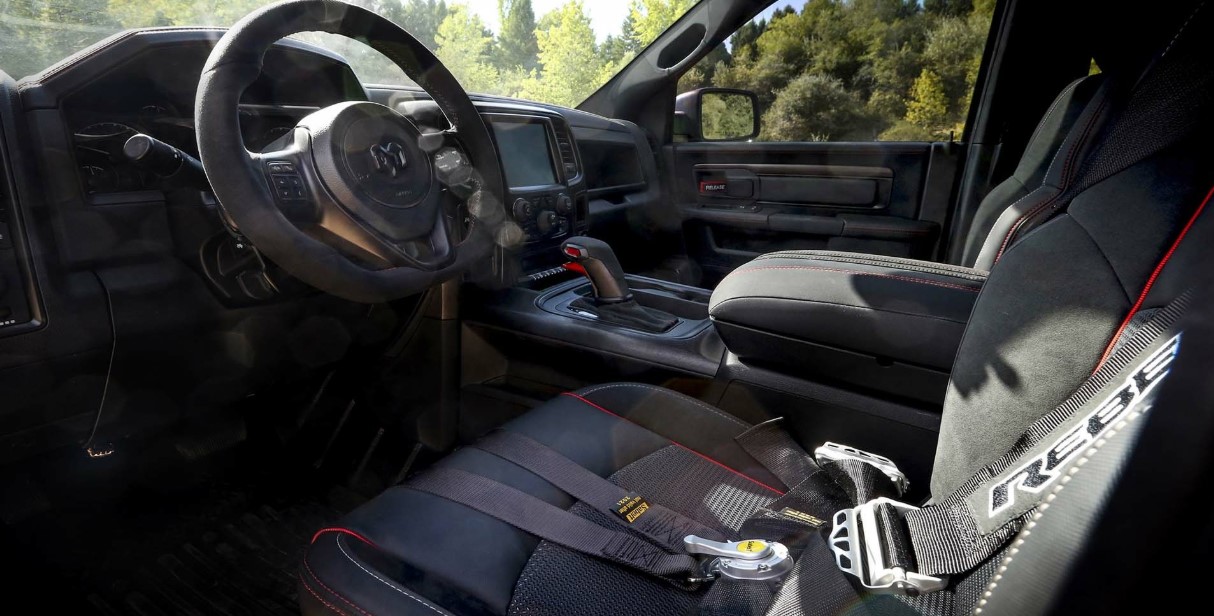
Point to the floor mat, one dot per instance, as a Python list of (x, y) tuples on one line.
[(243, 566), (165, 528)]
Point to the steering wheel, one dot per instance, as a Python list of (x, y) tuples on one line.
[(351, 201)]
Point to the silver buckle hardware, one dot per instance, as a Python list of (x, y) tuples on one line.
[(833, 452), (855, 541), (748, 559)]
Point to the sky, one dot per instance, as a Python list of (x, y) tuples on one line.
[(606, 16)]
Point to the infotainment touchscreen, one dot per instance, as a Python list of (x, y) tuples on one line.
[(526, 157)]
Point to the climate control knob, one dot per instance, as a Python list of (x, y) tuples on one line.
[(564, 204), (522, 210), (546, 221)]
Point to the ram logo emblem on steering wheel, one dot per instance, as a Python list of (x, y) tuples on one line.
[(389, 158)]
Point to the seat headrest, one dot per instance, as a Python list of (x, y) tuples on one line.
[(1125, 37)]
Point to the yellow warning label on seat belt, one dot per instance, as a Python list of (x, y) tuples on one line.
[(631, 507), (802, 517)]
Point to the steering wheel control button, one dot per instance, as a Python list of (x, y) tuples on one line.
[(280, 166), (288, 187)]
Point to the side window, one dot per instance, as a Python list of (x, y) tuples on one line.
[(855, 70)]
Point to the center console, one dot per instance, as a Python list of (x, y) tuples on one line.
[(546, 190)]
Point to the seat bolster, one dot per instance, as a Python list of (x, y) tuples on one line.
[(681, 419), (345, 573)]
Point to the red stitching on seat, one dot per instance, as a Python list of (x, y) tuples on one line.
[(344, 531), (319, 598), (1142, 297), (934, 283), (330, 590), (1063, 185), (678, 444)]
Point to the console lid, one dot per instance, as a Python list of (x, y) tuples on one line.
[(887, 324)]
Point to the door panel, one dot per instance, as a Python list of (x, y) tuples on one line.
[(741, 200)]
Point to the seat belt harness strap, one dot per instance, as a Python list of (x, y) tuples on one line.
[(892, 547), (634, 512)]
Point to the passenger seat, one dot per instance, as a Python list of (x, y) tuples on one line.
[(1042, 149)]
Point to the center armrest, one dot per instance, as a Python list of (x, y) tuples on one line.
[(893, 310)]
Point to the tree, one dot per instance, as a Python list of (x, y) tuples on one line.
[(742, 43), (517, 45), (420, 18), (570, 65), (650, 18), (463, 45), (948, 8), (817, 108), (139, 13), (928, 107)]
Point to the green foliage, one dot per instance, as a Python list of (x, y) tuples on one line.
[(949, 8), (464, 45), (900, 69), (420, 17), (742, 43), (28, 45), (726, 116), (817, 108), (832, 69), (517, 45), (568, 72), (928, 107), (650, 18)]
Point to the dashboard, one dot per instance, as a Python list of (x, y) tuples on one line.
[(97, 253), (153, 94)]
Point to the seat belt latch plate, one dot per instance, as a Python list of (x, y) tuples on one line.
[(856, 542), (834, 452)]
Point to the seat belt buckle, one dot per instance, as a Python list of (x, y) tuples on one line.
[(748, 559), (834, 452), (857, 543)]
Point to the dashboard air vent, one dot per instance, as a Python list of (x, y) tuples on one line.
[(568, 151)]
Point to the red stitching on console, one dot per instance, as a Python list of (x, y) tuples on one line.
[(678, 444), (344, 531), (876, 275), (330, 590), (1142, 297), (319, 598)]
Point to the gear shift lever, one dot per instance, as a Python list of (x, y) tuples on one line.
[(613, 302), (599, 264)]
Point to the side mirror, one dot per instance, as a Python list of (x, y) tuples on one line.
[(717, 114)]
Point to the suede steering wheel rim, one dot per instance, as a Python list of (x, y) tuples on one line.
[(351, 200)]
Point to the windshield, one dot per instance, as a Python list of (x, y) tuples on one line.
[(554, 51)]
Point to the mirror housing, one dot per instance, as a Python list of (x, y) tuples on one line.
[(717, 114)]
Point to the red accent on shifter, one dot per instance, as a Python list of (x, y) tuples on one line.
[(576, 267), (577, 252)]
